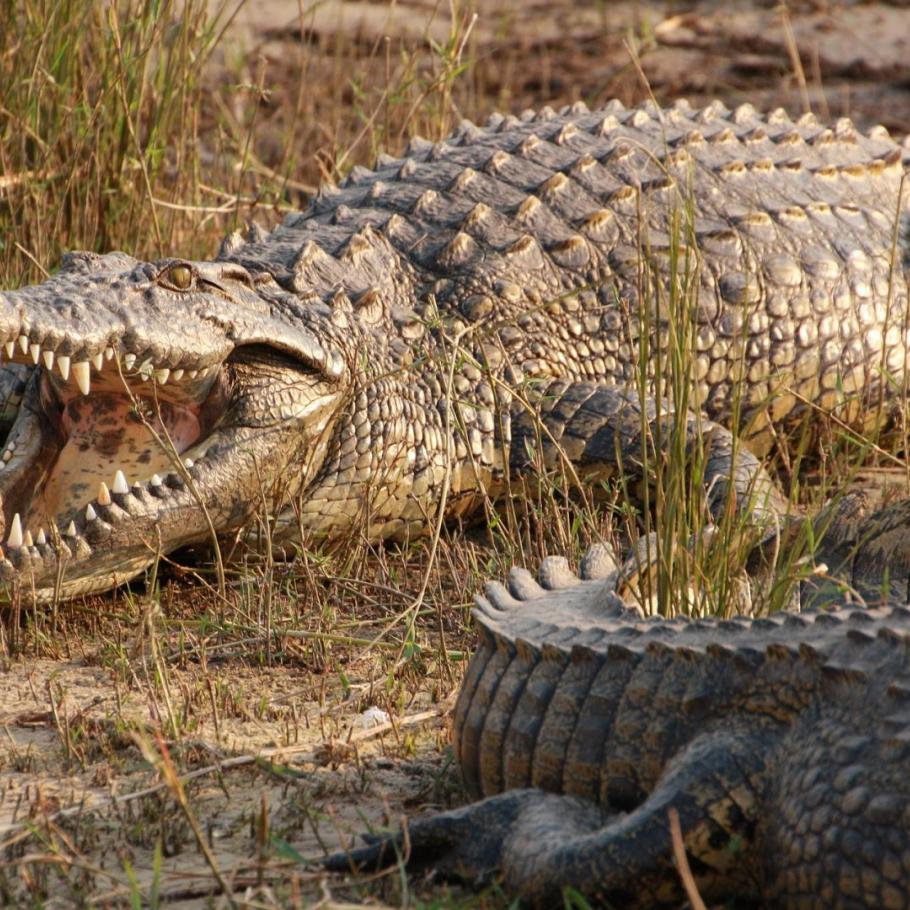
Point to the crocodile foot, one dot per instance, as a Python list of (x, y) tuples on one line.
[(476, 844)]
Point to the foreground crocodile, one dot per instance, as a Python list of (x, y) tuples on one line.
[(783, 745), (480, 307)]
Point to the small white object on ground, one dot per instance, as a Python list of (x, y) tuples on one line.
[(372, 717)]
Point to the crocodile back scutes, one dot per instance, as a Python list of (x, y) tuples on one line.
[(534, 231), (570, 694)]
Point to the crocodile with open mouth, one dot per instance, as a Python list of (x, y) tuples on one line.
[(487, 305)]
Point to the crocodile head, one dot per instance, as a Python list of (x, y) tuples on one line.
[(161, 403)]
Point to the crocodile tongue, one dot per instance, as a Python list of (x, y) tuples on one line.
[(106, 434), (65, 444)]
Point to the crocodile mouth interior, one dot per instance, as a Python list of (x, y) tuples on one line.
[(91, 430)]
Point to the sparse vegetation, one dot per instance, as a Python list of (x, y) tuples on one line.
[(185, 743)]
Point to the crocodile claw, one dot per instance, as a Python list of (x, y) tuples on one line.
[(464, 844)]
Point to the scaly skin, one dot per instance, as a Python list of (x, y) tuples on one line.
[(782, 743), (395, 349)]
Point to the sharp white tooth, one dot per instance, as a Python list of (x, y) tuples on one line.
[(7, 455), (70, 529), (161, 376), (27, 538), (155, 481), (145, 370), (35, 351), (188, 462), (98, 361), (48, 357), (120, 485), (193, 374), (10, 348), (177, 375), (63, 364), (90, 513), (23, 343), (128, 361), (41, 539), (14, 541), (109, 353), (104, 494), (83, 376)]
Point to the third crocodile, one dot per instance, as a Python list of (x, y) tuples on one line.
[(478, 307)]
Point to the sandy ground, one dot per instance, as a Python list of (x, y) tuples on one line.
[(837, 59), (273, 764)]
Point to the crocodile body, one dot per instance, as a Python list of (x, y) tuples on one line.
[(782, 743), (477, 308)]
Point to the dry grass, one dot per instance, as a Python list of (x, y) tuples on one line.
[(180, 746)]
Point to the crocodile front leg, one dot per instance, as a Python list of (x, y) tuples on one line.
[(601, 431)]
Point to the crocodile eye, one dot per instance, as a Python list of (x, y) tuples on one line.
[(179, 277)]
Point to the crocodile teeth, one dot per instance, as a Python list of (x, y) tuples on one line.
[(129, 361), (70, 529), (177, 375), (14, 541), (188, 462), (63, 364), (23, 343), (10, 348), (41, 538), (109, 353), (98, 361), (155, 481), (104, 494), (161, 376), (90, 513), (145, 370), (27, 539), (48, 357), (35, 351), (120, 485), (82, 375)]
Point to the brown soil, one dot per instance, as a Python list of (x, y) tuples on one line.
[(836, 59)]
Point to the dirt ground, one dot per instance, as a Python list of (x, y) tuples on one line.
[(282, 775), (836, 59), (144, 768)]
